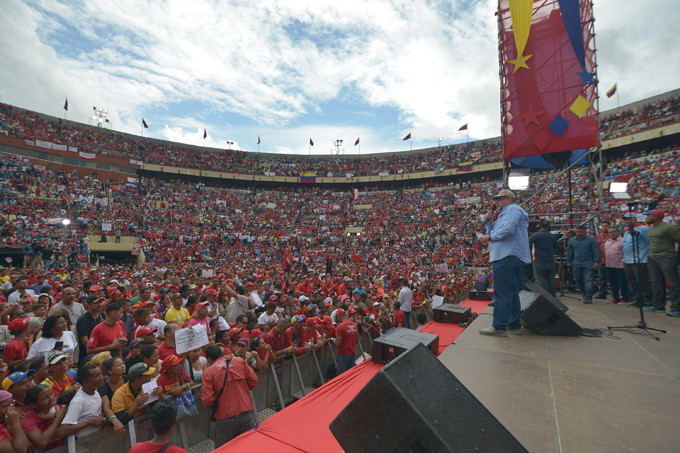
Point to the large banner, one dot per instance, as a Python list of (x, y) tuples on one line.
[(547, 76)]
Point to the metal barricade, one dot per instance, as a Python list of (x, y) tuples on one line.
[(278, 385)]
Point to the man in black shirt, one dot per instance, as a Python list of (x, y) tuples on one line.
[(87, 322), (545, 244)]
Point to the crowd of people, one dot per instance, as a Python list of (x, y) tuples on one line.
[(631, 121)]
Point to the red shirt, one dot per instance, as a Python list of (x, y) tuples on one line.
[(299, 340), (148, 447), (276, 341), (349, 333), (165, 350), (105, 335), (16, 350), (236, 396), (168, 383), (30, 422), (329, 330), (399, 318)]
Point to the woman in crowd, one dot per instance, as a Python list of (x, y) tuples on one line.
[(115, 371), (262, 351), (200, 316), (195, 364), (12, 436), (149, 356), (134, 349), (55, 330), (35, 424)]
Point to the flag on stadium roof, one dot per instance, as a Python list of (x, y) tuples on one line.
[(465, 166), (258, 139), (408, 137), (205, 133), (463, 127), (612, 91), (357, 142), (311, 142), (309, 178), (144, 123), (66, 104)]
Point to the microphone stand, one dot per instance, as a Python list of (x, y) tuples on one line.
[(642, 325)]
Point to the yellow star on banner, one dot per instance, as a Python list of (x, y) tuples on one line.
[(520, 62)]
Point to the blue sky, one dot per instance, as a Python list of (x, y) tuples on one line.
[(291, 70)]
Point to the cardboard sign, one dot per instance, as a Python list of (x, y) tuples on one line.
[(190, 338)]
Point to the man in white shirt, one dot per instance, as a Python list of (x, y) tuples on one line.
[(406, 300), (269, 314), (84, 414), (21, 284)]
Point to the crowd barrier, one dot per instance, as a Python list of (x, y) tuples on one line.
[(277, 386)]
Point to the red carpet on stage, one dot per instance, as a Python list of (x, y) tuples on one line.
[(303, 426)]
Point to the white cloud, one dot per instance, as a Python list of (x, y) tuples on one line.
[(280, 64)]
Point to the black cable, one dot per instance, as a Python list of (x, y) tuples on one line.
[(599, 333)]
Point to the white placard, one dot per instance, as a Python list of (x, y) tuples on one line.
[(207, 274), (222, 324), (436, 301), (148, 388), (106, 226), (190, 338), (256, 299)]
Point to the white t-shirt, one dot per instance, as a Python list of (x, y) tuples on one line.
[(43, 345), (265, 318), (198, 374), (13, 298), (83, 407), (158, 325)]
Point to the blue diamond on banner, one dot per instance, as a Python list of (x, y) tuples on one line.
[(558, 125)]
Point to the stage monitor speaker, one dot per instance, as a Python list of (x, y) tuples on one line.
[(540, 315), (399, 340), (415, 404), (480, 295), (536, 288), (451, 313)]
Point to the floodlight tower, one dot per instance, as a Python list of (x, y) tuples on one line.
[(99, 118), (338, 147)]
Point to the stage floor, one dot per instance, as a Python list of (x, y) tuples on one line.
[(578, 394)]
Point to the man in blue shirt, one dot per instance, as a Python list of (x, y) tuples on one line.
[(583, 254), (635, 261), (508, 239), (545, 244)]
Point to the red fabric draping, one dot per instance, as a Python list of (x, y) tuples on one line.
[(449, 332), (303, 427)]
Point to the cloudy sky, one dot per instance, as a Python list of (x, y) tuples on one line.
[(293, 70)]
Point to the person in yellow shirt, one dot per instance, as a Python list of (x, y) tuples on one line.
[(177, 313), (4, 278)]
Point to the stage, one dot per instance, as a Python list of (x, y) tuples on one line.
[(578, 394)]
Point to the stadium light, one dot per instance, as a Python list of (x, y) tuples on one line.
[(66, 222), (618, 187), (439, 142), (518, 182), (99, 118)]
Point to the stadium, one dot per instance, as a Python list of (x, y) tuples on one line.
[(274, 260)]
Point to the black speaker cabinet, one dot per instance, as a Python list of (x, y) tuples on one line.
[(398, 340), (451, 313), (480, 295), (543, 317), (536, 288), (415, 404)]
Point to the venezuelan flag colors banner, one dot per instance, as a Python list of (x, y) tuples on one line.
[(548, 83), (309, 178)]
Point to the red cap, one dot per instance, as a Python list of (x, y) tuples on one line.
[(202, 304), (273, 297), (95, 288), (18, 324), (116, 293), (352, 310), (243, 341), (312, 321), (143, 331), (149, 302), (657, 212), (339, 312), (327, 320), (211, 292), (255, 333), (169, 361), (250, 284)]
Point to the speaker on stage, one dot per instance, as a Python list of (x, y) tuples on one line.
[(536, 288), (414, 404), (542, 316), (480, 295), (399, 340)]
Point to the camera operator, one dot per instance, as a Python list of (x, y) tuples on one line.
[(545, 243)]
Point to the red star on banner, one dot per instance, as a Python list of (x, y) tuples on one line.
[(531, 116)]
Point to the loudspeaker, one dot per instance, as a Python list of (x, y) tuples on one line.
[(480, 295), (398, 340), (536, 288), (451, 313), (543, 317), (415, 404)]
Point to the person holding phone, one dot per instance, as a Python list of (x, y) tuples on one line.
[(55, 335)]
